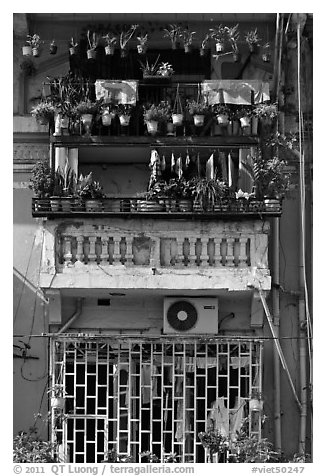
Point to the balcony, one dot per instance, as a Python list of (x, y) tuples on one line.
[(145, 254)]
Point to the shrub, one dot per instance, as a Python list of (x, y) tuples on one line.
[(29, 448)]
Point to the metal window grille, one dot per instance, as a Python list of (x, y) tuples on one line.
[(134, 394)]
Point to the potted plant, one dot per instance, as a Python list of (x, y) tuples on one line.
[(72, 46), (271, 179), (219, 35), (252, 40), (222, 114), (111, 41), (34, 43), (206, 193), (42, 184), (53, 48), (125, 37), (149, 69), (155, 114), (165, 70), (233, 37), (204, 43), (187, 37), (124, 113), (198, 110), (55, 199), (154, 198), (265, 112), (69, 185), (91, 192), (177, 112), (44, 112), (256, 403), (86, 110), (142, 46), (216, 444), (108, 112), (173, 32), (266, 54), (57, 394), (28, 447), (92, 43), (244, 114)]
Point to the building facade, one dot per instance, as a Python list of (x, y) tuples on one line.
[(156, 318)]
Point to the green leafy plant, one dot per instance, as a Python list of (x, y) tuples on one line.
[(197, 107), (34, 40), (206, 39), (125, 36), (215, 442), (206, 192), (244, 111), (44, 111), (124, 109), (160, 112), (266, 111), (29, 448), (165, 69), (187, 36), (233, 36), (92, 40), (173, 32), (149, 69), (219, 34), (87, 107), (110, 39), (271, 179), (113, 457), (252, 39), (143, 39), (42, 181), (220, 109), (89, 189)]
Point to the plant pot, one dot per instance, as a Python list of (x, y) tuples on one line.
[(87, 120), (111, 205), (123, 53), (152, 127), (106, 117), (272, 204), (55, 204), (245, 121), (199, 120), (36, 52), (171, 205), (27, 50), (72, 50), (53, 49), (202, 52), (64, 122), (187, 48), (109, 50), (255, 405), (93, 205), (58, 402), (185, 205), (266, 57), (91, 54), (149, 206), (124, 119), (219, 47), (222, 119), (236, 57), (169, 129), (177, 119), (141, 49)]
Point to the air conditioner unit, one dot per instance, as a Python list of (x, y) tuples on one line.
[(183, 315)]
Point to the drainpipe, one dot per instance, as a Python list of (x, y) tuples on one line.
[(75, 315)]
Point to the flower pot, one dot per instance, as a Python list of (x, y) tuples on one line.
[(266, 57), (171, 205), (91, 54), (169, 129), (199, 120), (124, 119), (219, 47), (64, 122), (245, 121), (272, 204), (72, 50), (36, 52), (236, 57), (123, 53), (141, 49), (255, 405), (93, 205), (106, 117), (65, 204), (222, 119), (152, 127), (185, 205), (149, 206), (58, 402), (27, 50), (111, 205), (177, 119), (55, 204), (109, 50), (53, 49), (202, 52), (87, 120), (187, 48)]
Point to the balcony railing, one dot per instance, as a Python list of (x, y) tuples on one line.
[(125, 206)]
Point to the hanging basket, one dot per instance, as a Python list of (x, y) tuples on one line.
[(177, 115), (58, 402), (109, 50), (124, 119), (91, 54), (177, 119), (245, 121), (266, 57), (222, 119), (72, 50), (219, 47), (141, 49), (256, 405), (36, 52), (152, 127), (199, 120), (106, 118)]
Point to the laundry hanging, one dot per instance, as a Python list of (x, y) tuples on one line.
[(246, 170), (210, 168), (178, 167), (155, 167)]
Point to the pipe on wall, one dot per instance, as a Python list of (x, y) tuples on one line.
[(75, 315)]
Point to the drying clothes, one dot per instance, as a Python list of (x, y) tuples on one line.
[(146, 384), (118, 92), (236, 417), (155, 167), (236, 91), (246, 171), (210, 168), (218, 417), (242, 361)]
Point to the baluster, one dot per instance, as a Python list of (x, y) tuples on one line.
[(80, 248), (129, 254), (192, 251), (67, 249), (180, 257), (104, 254), (204, 251), (243, 252), (116, 251), (217, 252), (229, 259), (92, 254)]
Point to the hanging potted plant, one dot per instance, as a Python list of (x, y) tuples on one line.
[(177, 113), (53, 48), (125, 37), (173, 32), (92, 43), (233, 37), (204, 43), (86, 110), (187, 37), (33, 48), (256, 403), (219, 35), (265, 113), (57, 395), (155, 115), (111, 41), (108, 112), (266, 54), (165, 70), (198, 110), (124, 113), (72, 47), (149, 69), (222, 114), (252, 40), (244, 114), (44, 112), (142, 46)]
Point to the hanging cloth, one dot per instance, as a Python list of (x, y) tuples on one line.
[(163, 163), (198, 165), (230, 170), (187, 162), (236, 417), (172, 162), (210, 168), (246, 170), (178, 167), (218, 417), (155, 167)]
